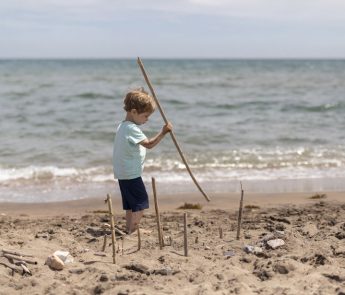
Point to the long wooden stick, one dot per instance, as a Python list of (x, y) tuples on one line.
[(239, 220), (171, 133), (112, 225), (160, 238)]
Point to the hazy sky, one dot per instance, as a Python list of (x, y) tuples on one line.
[(175, 28)]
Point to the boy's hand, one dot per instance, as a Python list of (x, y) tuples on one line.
[(167, 128)]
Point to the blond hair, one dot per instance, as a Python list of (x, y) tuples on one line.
[(140, 100)]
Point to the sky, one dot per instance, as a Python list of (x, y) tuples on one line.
[(172, 29)]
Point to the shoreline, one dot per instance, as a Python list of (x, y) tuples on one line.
[(229, 201)]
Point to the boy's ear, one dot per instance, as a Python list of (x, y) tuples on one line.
[(134, 111)]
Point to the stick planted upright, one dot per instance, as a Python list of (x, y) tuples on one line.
[(112, 226)]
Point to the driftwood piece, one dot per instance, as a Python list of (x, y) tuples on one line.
[(159, 227), (15, 253), (25, 269), (239, 220), (18, 258), (12, 267), (112, 225)]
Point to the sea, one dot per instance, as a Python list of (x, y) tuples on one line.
[(274, 126)]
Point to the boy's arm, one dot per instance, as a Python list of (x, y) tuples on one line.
[(152, 142)]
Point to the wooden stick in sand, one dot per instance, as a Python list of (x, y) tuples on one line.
[(171, 133), (139, 239), (104, 242), (239, 220), (221, 233), (160, 237), (112, 225), (185, 235)]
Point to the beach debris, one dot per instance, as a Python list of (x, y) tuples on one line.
[(239, 219), (97, 232), (280, 219), (65, 256), (253, 250), (274, 244), (138, 268), (186, 206), (54, 262), (251, 207), (166, 271), (318, 196), (159, 226), (336, 278), (18, 261), (229, 253)]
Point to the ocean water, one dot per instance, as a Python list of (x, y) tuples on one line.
[(275, 125)]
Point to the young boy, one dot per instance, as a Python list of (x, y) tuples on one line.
[(129, 154)]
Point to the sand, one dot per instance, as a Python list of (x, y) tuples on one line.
[(311, 261)]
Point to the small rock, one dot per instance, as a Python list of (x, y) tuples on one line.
[(219, 276), (274, 244), (280, 268), (55, 262), (246, 259), (163, 271), (253, 249), (138, 267)]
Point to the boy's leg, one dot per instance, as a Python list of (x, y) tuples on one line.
[(128, 219), (135, 220)]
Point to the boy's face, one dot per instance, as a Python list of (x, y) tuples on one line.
[(141, 118)]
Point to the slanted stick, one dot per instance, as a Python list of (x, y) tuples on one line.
[(160, 237), (239, 220), (171, 133), (185, 235), (112, 225)]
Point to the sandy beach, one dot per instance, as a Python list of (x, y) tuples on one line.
[(311, 259)]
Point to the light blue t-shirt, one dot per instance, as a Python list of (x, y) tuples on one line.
[(128, 154)]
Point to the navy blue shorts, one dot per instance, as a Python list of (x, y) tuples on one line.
[(134, 195)]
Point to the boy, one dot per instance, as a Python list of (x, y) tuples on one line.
[(129, 152)]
